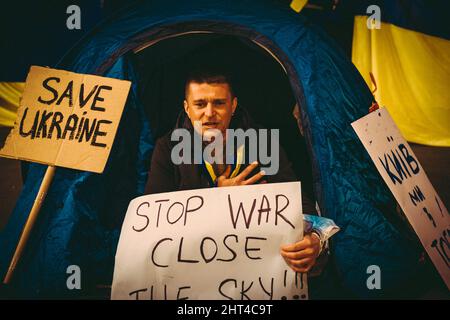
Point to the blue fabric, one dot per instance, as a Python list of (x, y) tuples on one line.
[(80, 220)]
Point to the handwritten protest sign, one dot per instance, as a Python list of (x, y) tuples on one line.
[(407, 180), (217, 243), (67, 119)]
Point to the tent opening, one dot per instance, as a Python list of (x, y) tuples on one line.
[(260, 82)]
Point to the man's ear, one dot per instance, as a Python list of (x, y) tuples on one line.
[(186, 107), (234, 104)]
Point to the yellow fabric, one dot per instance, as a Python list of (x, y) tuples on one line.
[(211, 172), (240, 160), (298, 5), (10, 93), (412, 73)]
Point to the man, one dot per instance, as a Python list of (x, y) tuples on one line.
[(211, 103)]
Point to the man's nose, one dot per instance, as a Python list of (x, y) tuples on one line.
[(209, 112)]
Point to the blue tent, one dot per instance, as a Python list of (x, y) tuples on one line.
[(80, 221)]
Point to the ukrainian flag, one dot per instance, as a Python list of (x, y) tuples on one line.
[(10, 93), (409, 56)]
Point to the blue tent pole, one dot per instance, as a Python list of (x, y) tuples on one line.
[(32, 217)]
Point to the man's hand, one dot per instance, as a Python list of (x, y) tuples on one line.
[(301, 256), (240, 179)]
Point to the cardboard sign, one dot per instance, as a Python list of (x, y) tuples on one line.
[(67, 119), (407, 180), (216, 243)]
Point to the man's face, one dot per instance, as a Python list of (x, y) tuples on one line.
[(211, 104)]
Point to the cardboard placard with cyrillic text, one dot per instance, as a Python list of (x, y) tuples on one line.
[(215, 243), (405, 177), (67, 119)]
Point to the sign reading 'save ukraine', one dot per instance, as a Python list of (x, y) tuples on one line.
[(67, 119)]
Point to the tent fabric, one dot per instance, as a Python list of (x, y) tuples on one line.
[(412, 72), (81, 218)]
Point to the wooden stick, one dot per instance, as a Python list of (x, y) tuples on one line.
[(45, 184)]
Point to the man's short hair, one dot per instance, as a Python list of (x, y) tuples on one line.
[(208, 75)]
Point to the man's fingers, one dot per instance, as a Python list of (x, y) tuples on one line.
[(295, 255), (299, 267), (255, 178), (226, 173), (247, 171), (301, 270), (297, 246), (301, 263)]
